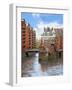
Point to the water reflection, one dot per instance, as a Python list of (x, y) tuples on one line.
[(31, 66)]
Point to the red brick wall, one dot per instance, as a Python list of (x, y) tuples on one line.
[(28, 36)]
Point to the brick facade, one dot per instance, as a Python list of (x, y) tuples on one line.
[(28, 36)]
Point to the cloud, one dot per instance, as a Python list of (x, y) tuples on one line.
[(51, 24), (54, 25), (36, 15), (41, 24)]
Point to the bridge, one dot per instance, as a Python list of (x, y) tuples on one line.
[(32, 50), (37, 50), (27, 51)]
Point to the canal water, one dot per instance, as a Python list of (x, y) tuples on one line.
[(31, 66)]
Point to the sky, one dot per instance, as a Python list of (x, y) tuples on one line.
[(40, 20)]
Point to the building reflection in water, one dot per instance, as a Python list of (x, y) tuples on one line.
[(33, 67)]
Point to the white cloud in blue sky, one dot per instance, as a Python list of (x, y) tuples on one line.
[(36, 15)]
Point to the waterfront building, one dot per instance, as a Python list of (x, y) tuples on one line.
[(28, 36), (52, 39), (59, 38)]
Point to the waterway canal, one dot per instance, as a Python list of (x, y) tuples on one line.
[(31, 66)]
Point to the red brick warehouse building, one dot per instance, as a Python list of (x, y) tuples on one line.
[(28, 36), (59, 38)]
